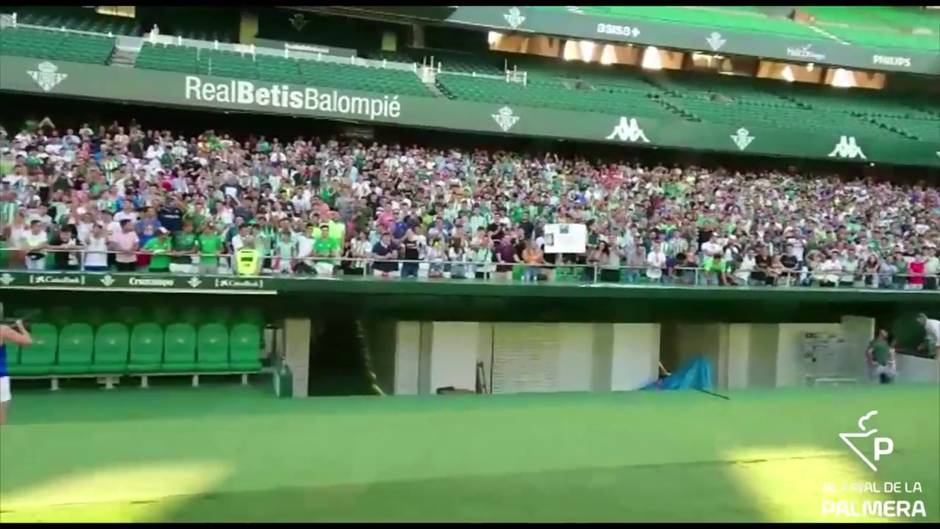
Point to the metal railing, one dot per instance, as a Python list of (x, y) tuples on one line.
[(304, 267)]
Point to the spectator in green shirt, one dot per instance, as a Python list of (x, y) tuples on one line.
[(159, 247), (325, 249), (184, 246), (210, 245), (881, 358)]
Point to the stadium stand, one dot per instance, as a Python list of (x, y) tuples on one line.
[(881, 26), (53, 44), (278, 69), (78, 19)]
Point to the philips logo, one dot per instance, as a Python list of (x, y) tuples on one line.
[(888, 60)]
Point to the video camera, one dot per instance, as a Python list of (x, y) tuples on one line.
[(11, 322)]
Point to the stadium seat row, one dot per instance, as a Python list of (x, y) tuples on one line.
[(114, 349)]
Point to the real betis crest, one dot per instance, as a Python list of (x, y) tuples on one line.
[(742, 138), (47, 75), (505, 118), (514, 17)]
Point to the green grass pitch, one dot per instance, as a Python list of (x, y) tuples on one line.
[(229, 453)]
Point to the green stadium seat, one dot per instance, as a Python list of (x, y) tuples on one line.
[(146, 348), (245, 342), (179, 344), (111, 343), (213, 348), (76, 344), (37, 359)]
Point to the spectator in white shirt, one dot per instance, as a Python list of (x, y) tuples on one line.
[(96, 248), (830, 270), (34, 242), (931, 345), (656, 262)]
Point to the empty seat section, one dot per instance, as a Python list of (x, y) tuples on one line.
[(179, 353), (58, 45), (146, 348), (76, 344), (111, 342), (245, 344), (213, 348)]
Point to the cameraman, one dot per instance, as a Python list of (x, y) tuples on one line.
[(19, 336)]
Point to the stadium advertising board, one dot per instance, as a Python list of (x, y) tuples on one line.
[(136, 282), (574, 23), (61, 78)]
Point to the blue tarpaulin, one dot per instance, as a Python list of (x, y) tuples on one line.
[(695, 374)]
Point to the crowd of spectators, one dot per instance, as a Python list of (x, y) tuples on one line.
[(120, 197)]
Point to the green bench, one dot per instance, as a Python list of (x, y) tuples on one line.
[(143, 349)]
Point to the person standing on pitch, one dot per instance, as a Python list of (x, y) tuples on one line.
[(931, 345), (881, 358), (18, 336)]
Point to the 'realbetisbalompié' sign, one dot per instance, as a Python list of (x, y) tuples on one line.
[(67, 79)]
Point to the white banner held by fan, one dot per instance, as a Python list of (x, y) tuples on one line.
[(565, 238)]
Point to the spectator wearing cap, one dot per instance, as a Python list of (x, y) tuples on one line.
[(159, 249)]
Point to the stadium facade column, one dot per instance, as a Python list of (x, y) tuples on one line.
[(296, 341), (635, 350)]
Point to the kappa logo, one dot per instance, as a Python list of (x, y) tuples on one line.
[(715, 41), (47, 75), (847, 148), (505, 118), (514, 17), (628, 130), (882, 445), (742, 138)]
